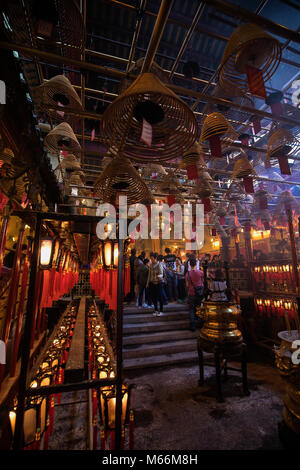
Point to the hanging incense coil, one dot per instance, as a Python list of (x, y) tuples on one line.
[(215, 126), (243, 168), (136, 69), (60, 138), (281, 142), (58, 91), (168, 124), (248, 45), (120, 178), (170, 184), (148, 170), (203, 186)]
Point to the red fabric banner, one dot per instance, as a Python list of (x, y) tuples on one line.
[(255, 81), (284, 165), (207, 205), (215, 146), (248, 184), (192, 172)]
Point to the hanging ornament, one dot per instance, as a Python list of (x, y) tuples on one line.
[(215, 126), (243, 169), (281, 145)]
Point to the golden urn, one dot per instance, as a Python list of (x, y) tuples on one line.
[(286, 358), (220, 327)]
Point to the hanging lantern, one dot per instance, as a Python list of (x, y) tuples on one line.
[(57, 92), (108, 406), (214, 127), (160, 122), (120, 178), (251, 58), (281, 143), (243, 169), (60, 138), (116, 254), (107, 253), (46, 253)]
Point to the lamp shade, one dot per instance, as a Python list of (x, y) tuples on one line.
[(248, 45), (119, 177), (60, 138), (154, 109)]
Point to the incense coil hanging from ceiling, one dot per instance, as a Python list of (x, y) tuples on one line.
[(57, 92), (63, 138), (55, 25), (242, 168), (173, 124), (248, 45), (120, 178), (170, 184), (216, 126), (136, 69), (281, 142), (193, 156)]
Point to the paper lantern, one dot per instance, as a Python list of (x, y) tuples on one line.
[(214, 127), (251, 57), (154, 120), (121, 178)]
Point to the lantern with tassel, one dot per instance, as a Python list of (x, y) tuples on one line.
[(251, 57), (215, 126)]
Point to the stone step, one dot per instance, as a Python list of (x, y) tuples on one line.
[(173, 307), (162, 360), (158, 337), (149, 317), (159, 325), (157, 349)]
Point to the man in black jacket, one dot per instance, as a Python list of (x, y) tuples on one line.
[(170, 262)]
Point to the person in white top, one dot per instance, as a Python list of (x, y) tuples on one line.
[(218, 287)]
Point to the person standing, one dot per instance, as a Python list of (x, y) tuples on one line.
[(164, 283), (141, 278), (194, 279), (180, 280), (132, 259), (155, 280), (138, 263), (170, 261)]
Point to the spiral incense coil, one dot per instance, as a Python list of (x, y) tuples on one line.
[(173, 125), (193, 156), (243, 168), (170, 184), (216, 125), (148, 170), (60, 138), (248, 45), (58, 91), (70, 162), (203, 186), (121, 178), (136, 69), (281, 142)]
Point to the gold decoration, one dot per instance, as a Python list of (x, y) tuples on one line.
[(174, 126), (248, 44)]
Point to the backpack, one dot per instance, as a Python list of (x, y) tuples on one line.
[(198, 290)]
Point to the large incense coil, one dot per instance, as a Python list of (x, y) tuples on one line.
[(173, 124), (120, 178), (216, 125), (281, 142), (203, 189), (137, 68), (58, 91), (60, 138), (193, 156), (248, 44), (242, 168), (148, 170)]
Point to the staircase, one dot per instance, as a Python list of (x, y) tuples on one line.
[(150, 341)]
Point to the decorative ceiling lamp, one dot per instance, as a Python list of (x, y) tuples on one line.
[(215, 126), (251, 57), (60, 138), (120, 178), (154, 121), (243, 169), (281, 144), (57, 92), (193, 161)]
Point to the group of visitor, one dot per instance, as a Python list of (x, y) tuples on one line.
[(159, 279)]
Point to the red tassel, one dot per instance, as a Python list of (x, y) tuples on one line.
[(171, 199), (215, 146), (102, 439), (51, 415), (284, 165), (131, 430), (248, 184), (207, 205), (255, 81), (192, 172), (222, 220)]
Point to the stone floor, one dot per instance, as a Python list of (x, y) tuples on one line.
[(173, 413)]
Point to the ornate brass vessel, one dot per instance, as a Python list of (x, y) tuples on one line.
[(291, 372), (220, 327)]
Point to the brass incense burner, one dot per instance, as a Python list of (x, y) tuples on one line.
[(291, 372), (220, 327)]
